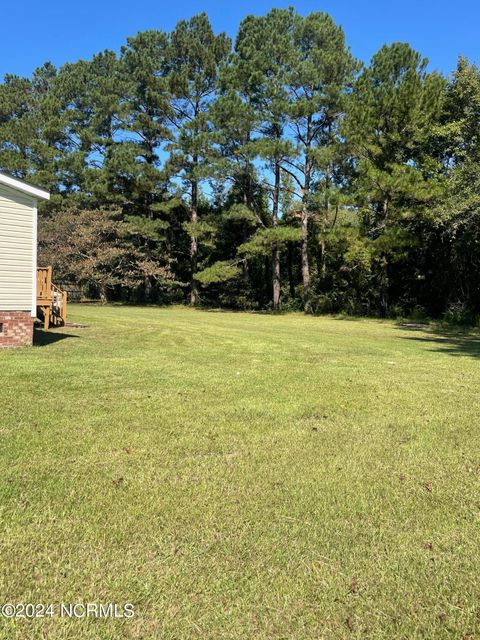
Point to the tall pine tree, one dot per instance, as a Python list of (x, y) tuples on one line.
[(195, 57)]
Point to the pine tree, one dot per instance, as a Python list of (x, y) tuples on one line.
[(146, 111), (33, 141), (321, 74), (263, 57), (392, 113), (145, 114), (457, 217), (238, 195), (195, 57)]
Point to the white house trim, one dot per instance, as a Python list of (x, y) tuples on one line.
[(23, 187), (34, 260)]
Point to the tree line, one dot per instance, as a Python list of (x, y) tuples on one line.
[(272, 172)]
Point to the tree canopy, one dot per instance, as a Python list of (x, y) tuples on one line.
[(274, 171)]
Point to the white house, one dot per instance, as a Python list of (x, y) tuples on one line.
[(18, 260)]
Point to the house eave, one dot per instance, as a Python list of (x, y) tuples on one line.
[(24, 187)]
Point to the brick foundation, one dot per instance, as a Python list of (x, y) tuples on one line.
[(16, 329)]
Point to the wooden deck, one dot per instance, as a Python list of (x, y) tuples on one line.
[(51, 300)]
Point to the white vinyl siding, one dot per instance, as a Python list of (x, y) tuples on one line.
[(17, 259)]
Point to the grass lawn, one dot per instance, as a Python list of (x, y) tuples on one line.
[(241, 476)]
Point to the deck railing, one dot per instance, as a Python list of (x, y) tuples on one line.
[(51, 300), (44, 284), (60, 302)]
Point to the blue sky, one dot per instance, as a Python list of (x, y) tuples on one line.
[(64, 31)]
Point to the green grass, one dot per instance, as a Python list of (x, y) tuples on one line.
[(242, 476)]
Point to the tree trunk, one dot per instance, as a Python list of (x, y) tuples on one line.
[(323, 252), (385, 208), (304, 220), (194, 212), (291, 283), (103, 291), (323, 255), (304, 227), (277, 292), (305, 263), (276, 281), (147, 287), (194, 245), (384, 288)]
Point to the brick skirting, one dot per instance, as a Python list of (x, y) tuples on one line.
[(16, 328)]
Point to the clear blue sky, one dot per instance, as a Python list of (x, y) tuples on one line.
[(64, 31)]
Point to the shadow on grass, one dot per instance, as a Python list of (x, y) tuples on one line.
[(44, 338), (449, 341)]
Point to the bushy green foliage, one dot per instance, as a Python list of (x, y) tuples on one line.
[(219, 272), (265, 240)]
